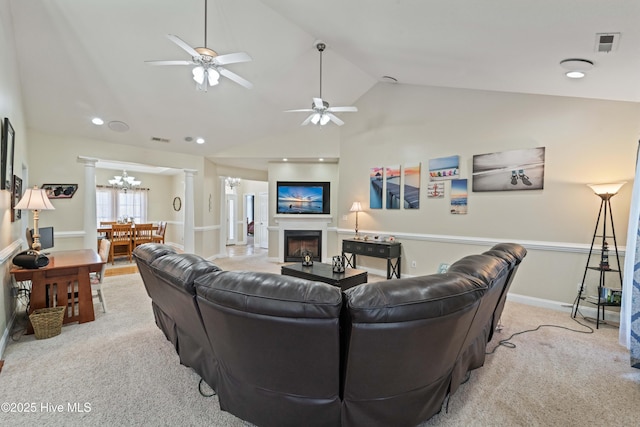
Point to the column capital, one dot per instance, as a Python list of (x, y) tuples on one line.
[(88, 160), (190, 172)]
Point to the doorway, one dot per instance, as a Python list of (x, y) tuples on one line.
[(249, 215), (231, 210)]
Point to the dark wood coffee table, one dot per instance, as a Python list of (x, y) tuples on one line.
[(319, 272)]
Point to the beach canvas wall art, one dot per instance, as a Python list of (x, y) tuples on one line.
[(376, 175), (435, 190), (392, 178), (444, 168), (459, 195), (412, 186), (513, 170)]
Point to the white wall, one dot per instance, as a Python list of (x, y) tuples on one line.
[(11, 107), (586, 141), (54, 159)]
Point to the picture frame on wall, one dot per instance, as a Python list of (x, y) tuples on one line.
[(8, 146), (17, 194), (60, 191), (513, 170)]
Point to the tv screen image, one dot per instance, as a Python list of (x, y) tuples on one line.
[(302, 198)]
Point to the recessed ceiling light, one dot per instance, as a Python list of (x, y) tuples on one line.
[(285, 160), (575, 74), (97, 121), (199, 140), (576, 67), (321, 159)]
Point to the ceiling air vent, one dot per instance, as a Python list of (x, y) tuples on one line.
[(158, 139), (607, 42)]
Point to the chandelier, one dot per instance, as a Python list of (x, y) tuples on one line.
[(232, 182), (124, 182)]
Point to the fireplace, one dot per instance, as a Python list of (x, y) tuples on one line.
[(298, 241)]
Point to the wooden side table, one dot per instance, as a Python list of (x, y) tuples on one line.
[(58, 283)]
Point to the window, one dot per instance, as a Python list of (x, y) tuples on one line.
[(117, 205)]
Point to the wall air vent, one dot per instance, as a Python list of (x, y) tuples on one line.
[(158, 139), (607, 42)]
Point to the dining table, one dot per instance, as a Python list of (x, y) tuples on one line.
[(105, 232)]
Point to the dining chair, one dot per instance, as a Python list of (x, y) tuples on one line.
[(96, 278), (158, 235), (105, 233), (121, 236), (142, 233)]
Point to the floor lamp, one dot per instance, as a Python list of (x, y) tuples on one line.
[(35, 199), (605, 192)]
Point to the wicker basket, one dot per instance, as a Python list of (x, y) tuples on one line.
[(47, 322)]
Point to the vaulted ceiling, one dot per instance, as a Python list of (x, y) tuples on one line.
[(80, 59)]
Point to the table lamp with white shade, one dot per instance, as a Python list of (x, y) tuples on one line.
[(356, 207), (35, 199)]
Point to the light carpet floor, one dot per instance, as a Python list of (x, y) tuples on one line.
[(127, 373)]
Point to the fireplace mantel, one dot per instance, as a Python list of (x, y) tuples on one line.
[(302, 222)]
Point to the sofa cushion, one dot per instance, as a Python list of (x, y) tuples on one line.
[(413, 298), (181, 270), (151, 251), (270, 294), (484, 267), (511, 252)]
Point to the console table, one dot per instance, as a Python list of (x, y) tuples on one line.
[(389, 250)]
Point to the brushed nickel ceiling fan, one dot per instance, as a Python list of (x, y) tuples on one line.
[(208, 65), (321, 112)]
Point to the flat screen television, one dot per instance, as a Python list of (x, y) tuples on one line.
[(303, 197), (46, 237)]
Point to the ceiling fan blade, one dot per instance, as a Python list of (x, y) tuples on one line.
[(334, 119), (342, 109), (177, 40), (236, 78), (307, 120), (306, 110), (317, 102), (169, 62), (232, 58)]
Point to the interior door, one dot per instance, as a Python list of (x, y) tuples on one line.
[(263, 221), (232, 206)]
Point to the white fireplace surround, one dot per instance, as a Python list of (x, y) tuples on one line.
[(302, 222)]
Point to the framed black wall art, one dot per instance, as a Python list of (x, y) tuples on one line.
[(17, 194), (8, 145)]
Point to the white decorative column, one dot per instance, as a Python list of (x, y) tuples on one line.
[(90, 221), (189, 211)]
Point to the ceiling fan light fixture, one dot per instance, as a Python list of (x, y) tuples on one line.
[(198, 74), (315, 119), (324, 120), (212, 76)]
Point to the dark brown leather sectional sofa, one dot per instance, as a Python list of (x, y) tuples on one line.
[(282, 351)]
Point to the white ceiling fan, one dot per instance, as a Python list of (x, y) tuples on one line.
[(208, 64), (321, 112)]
